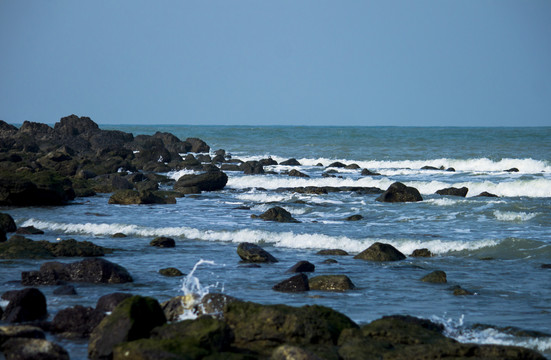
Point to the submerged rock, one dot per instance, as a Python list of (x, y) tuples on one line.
[(421, 253), (399, 192), (486, 194), (437, 276), (290, 162), (249, 252), (163, 242), (297, 283), (29, 230), (278, 214), (171, 272), (296, 173), (380, 252), (462, 192), (338, 252), (354, 218), (132, 197)]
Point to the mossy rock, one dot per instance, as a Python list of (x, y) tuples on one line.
[(437, 277), (171, 272), (331, 283)]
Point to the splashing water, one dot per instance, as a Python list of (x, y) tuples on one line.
[(194, 292)]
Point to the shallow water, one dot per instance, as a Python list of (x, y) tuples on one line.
[(493, 247)]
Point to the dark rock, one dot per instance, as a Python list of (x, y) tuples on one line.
[(7, 128), (65, 290), (172, 143), (399, 192), (330, 261), (337, 164), (29, 230), (171, 272), (131, 197), (297, 173), (177, 306), (366, 172), (333, 252), (198, 145), (6, 223), (20, 331), (289, 352), (119, 235), (107, 303), (459, 291), (26, 305), (189, 190), (438, 277), (210, 181), (302, 266), (546, 266), (230, 167), (297, 283), (278, 214), (19, 247), (290, 162), (462, 192), (253, 253), (352, 167), (486, 194), (163, 242), (31, 349), (77, 321), (132, 319), (428, 167), (450, 169), (354, 218), (213, 303), (41, 188), (72, 125), (72, 248), (421, 253), (252, 168), (3, 237), (331, 283), (267, 162), (512, 170), (380, 252)]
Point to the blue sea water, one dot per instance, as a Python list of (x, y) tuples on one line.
[(493, 247)]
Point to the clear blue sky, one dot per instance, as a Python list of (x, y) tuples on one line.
[(251, 62)]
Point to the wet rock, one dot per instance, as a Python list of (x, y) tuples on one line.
[(253, 253), (278, 214), (132, 319), (30, 349), (290, 162), (546, 266), (352, 167), (76, 322), (42, 188), (511, 170), (171, 272), (331, 283), (163, 242), (268, 162), (297, 283), (332, 252), (210, 181), (20, 331), (438, 277), (459, 291), (252, 168), (19, 247), (330, 261), (428, 167), (73, 248), (172, 143), (26, 305), (119, 235), (336, 164), (452, 191), (354, 218), (367, 172), (29, 230), (65, 290), (213, 303), (6, 223), (421, 253), (230, 167), (198, 145), (289, 352), (302, 266), (109, 302), (486, 194), (296, 173), (380, 252), (399, 192), (132, 197)]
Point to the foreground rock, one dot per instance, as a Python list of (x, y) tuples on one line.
[(399, 192), (381, 252), (209, 181), (7, 223), (30, 189), (27, 349), (25, 305), (19, 247), (278, 214), (253, 253), (76, 322), (95, 270)]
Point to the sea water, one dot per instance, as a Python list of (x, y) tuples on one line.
[(491, 246)]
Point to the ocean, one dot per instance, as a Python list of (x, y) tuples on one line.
[(492, 246)]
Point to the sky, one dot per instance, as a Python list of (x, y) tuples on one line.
[(284, 62)]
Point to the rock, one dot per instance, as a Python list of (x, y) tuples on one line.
[(92, 270), (198, 145), (119, 235), (278, 214), (263, 328), (297, 283), (546, 266), (399, 192), (462, 192), (331, 283), (337, 164), (171, 272), (163, 242), (450, 169), (19, 247), (354, 218), (252, 168), (249, 252), (438, 277), (421, 253), (512, 170), (380, 252), (290, 162), (30, 349), (29, 230), (6, 223), (76, 322), (459, 291), (366, 172), (132, 319), (213, 303), (26, 305), (172, 143), (289, 352), (210, 181), (131, 197), (486, 194), (297, 173), (302, 266), (65, 290), (2, 236), (107, 303), (72, 248), (352, 167), (72, 125), (41, 188), (267, 162), (330, 261), (337, 252), (428, 167), (20, 331)]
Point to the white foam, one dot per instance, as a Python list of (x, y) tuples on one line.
[(194, 291), (175, 175), (514, 216)]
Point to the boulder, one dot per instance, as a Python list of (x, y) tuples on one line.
[(297, 173), (267, 162), (20, 331), (171, 272), (253, 253), (76, 322), (213, 303), (452, 191), (41, 188), (438, 277), (337, 164), (511, 170), (354, 218), (132, 319), (367, 172), (29, 230), (107, 303), (39, 349), (73, 125), (290, 162), (197, 145), (26, 305), (399, 192), (302, 266), (297, 283), (486, 194), (19, 247), (380, 252), (337, 252), (278, 214), (163, 242), (131, 197), (3, 237), (210, 181), (65, 290), (421, 253), (459, 291), (352, 167), (331, 283), (172, 143), (289, 352), (252, 168), (6, 223)]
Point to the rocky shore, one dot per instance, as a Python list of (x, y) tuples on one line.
[(43, 165)]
